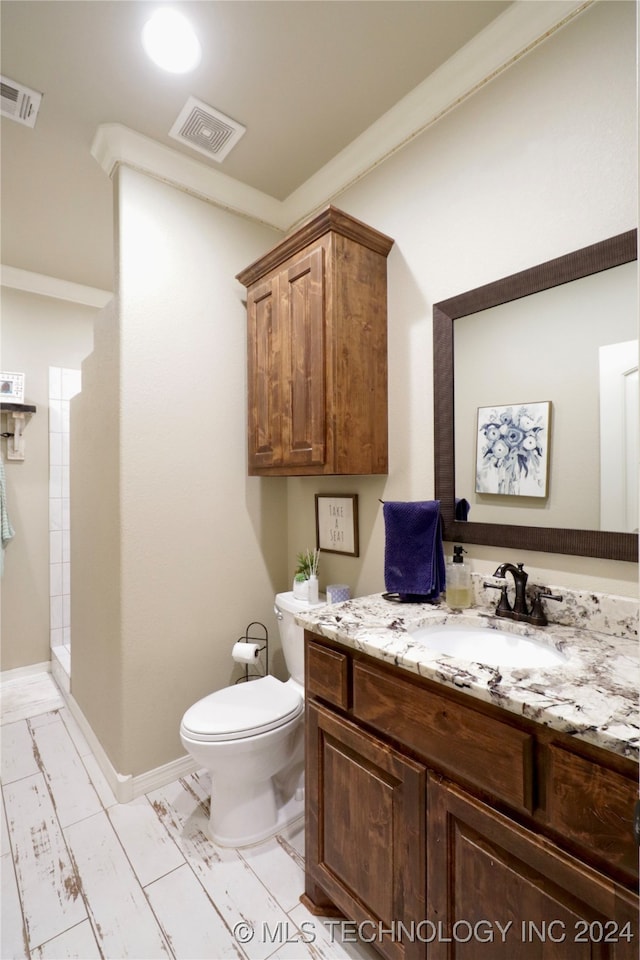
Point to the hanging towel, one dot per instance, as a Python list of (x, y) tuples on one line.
[(462, 508), (413, 556), (6, 530)]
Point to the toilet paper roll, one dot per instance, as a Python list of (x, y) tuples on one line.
[(245, 652), (337, 592)]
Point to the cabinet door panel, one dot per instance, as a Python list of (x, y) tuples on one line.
[(358, 837), (593, 806), (365, 827), (486, 873), (302, 307), (360, 358), (264, 375)]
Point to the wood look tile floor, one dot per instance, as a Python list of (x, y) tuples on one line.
[(84, 876)]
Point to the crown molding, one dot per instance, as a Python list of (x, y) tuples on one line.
[(116, 144), (512, 35), (508, 38), (45, 286)]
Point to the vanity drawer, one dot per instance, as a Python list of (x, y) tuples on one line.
[(327, 674), (593, 806), (460, 741)]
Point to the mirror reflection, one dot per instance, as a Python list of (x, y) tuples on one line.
[(555, 344), (573, 347)]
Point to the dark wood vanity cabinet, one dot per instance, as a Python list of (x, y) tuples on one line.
[(317, 351), (461, 830)]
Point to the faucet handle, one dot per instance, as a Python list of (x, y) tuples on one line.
[(504, 608), (496, 583), (538, 617)]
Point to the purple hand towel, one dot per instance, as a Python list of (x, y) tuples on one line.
[(413, 555)]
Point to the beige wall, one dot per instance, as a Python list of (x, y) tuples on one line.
[(542, 161), (96, 659), (187, 550), (37, 332)]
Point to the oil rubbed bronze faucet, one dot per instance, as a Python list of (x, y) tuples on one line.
[(519, 611)]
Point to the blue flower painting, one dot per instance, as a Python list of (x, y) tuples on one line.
[(513, 449)]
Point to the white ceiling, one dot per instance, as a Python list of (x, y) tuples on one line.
[(305, 77)]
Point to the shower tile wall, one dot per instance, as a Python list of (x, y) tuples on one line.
[(63, 385)]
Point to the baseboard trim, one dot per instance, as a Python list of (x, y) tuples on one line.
[(125, 787), (120, 784), (31, 670), (128, 787), (161, 776)]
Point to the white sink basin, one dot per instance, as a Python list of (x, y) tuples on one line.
[(484, 645)]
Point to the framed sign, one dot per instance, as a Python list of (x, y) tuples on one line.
[(12, 387), (337, 523)]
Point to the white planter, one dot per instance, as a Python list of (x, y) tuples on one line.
[(301, 589)]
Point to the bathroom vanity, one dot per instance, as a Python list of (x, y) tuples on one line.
[(464, 810)]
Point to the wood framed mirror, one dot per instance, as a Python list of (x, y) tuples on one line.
[(607, 544)]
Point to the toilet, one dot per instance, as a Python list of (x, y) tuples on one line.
[(250, 737)]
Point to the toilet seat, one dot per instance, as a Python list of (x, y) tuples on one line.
[(244, 710)]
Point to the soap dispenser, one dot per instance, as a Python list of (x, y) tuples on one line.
[(458, 591)]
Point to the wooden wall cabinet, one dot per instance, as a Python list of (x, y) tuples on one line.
[(433, 810), (317, 351)]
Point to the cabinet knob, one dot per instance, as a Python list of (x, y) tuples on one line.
[(636, 823)]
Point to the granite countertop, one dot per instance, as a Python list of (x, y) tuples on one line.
[(593, 695)]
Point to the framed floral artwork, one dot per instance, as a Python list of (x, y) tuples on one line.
[(12, 387), (513, 449)]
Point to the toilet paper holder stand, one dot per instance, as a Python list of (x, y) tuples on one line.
[(264, 646)]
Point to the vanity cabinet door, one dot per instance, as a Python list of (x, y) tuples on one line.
[(502, 892), (365, 830)]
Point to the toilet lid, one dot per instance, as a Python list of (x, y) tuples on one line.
[(243, 710)]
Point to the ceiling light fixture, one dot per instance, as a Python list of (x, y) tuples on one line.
[(170, 41)]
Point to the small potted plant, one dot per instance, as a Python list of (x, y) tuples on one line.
[(305, 579)]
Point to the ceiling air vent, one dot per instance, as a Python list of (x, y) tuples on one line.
[(19, 103), (206, 130)]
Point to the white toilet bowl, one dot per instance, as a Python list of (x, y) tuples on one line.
[(245, 735), (251, 739)]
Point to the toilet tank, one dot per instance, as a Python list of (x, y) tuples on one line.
[(291, 635)]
